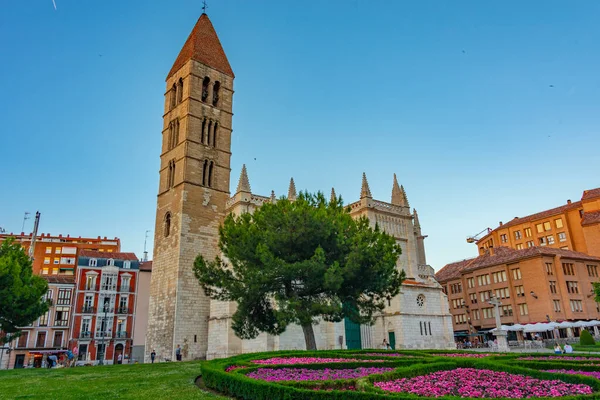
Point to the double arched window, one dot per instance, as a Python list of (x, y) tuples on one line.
[(173, 134), (207, 173), (176, 94), (208, 134), (171, 174)]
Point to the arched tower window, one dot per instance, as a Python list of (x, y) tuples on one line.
[(179, 90), (167, 227), (210, 174), (173, 97), (209, 132), (203, 133), (170, 139), (175, 132), (214, 138), (171, 176), (215, 99), (205, 84), (204, 173)]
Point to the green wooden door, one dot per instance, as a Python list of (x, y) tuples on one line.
[(392, 340), (352, 335)]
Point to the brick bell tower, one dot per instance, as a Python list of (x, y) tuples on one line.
[(193, 189)]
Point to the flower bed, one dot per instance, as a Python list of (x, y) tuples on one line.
[(471, 382), (307, 360), (593, 374), (468, 355), (303, 374), (558, 358)]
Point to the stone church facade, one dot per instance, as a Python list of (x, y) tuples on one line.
[(193, 199)]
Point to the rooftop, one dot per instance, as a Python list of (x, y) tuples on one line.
[(107, 255), (505, 255), (146, 266)]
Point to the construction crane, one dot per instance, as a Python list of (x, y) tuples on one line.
[(36, 224), (476, 237)]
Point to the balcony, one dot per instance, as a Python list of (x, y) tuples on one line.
[(85, 335), (108, 288), (88, 310), (63, 322), (106, 310), (122, 334), (123, 310), (103, 334), (125, 289)]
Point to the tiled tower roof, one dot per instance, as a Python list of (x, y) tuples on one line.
[(203, 45)]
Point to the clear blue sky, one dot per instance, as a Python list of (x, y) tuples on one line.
[(454, 97)]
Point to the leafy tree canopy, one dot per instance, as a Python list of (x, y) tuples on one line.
[(295, 262), (21, 292)]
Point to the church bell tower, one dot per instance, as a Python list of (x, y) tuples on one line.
[(193, 189)]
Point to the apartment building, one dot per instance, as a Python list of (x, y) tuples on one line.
[(105, 301), (571, 226), (534, 284)]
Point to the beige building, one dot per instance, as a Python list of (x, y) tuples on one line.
[(141, 312), (194, 198)]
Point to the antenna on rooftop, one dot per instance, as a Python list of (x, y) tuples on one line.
[(145, 257), (25, 218)]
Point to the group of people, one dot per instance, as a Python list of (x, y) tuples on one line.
[(568, 349), (177, 354)]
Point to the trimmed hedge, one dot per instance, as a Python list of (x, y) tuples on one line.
[(236, 384), (585, 338)]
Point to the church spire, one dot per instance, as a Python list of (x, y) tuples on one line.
[(416, 219), (333, 196), (292, 190), (404, 197), (365, 191), (203, 45), (397, 196), (244, 182)]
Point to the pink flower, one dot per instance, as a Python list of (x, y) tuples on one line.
[(307, 360), (303, 374), (471, 382)]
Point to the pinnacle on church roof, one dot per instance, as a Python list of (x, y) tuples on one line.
[(273, 198), (397, 194), (244, 182), (416, 217), (365, 191), (404, 197), (292, 190), (333, 196), (203, 45)]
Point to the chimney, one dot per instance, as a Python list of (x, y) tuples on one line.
[(569, 201), (500, 223)]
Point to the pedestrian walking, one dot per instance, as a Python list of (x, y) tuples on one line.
[(153, 355), (120, 359), (178, 353)]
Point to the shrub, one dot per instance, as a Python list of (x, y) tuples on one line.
[(586, 338)]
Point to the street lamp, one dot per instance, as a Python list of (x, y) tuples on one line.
[(106, 303)]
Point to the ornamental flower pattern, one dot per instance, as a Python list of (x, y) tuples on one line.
[(593, 374), (560, 358), (307, 360), (303, 374), (482, 383), (469, 355)]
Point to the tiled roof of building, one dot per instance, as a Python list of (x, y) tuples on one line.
[(146, 266), (452, 270), (590, 194), (541, 215), (203, 45), (67, 279), (590, 218), (104, 254)]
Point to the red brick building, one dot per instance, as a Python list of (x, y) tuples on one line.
[(105, 301)]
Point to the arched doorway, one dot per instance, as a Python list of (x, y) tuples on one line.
[(118, 352)]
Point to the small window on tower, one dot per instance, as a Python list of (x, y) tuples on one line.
[(179, 90), (215, 99), (210, 174), (205, 84), (204, 172), (173, 97), (167, 224)]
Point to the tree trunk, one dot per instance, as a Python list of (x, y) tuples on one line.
[(309, 337)]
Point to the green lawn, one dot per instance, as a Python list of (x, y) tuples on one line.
[(139, 381)]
